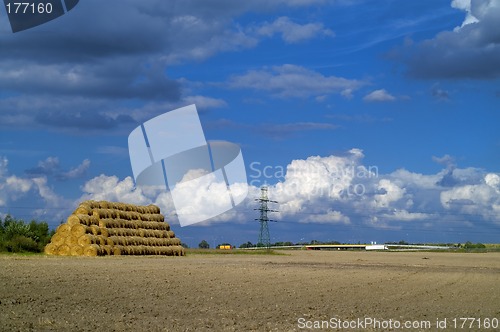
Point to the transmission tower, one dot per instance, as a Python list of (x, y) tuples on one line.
[(264, 237)]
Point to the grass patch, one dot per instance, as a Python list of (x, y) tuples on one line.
[(232, 252)]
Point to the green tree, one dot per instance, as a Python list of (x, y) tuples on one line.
[(204, 245)]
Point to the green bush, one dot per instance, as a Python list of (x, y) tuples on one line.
[(22, 243), (18, 236)]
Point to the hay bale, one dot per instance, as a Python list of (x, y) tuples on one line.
[(92, 204), (78, 230), (91, 250), (107, 250), (64, 250), (51, 249), (103, 205), (64, 230), (73, 220), (104, 231), (153, 208), (134, 215), (118, 250), (71, 240), (58, 239), (87, 239), (96, 230), (83, 209), (76, 250)]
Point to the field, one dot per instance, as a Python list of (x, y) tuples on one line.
[(284, 292)]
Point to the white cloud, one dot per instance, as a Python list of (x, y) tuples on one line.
[(110, 188), (475, 199), (31, 190), (292, 32), (330, 217), (379, 95), (289, 81)]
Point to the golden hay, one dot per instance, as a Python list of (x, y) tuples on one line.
[(96, 230), (51, 249), (117, 250), (78, 230), (63, 230), (64, 250), (87, 239), (71, 240), (91, 250), (73, 220), (58, 239), (83, 209), (76, 250)]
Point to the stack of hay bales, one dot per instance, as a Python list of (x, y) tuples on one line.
[(107, 228)]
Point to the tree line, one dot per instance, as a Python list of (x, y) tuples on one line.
[(16, 235)]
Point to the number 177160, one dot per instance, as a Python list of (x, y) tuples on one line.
[(29, 8)]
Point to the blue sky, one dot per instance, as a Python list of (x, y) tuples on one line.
[(311, 90)]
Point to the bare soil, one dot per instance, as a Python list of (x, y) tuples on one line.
[(246, 292)]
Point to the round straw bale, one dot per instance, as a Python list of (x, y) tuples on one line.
[(64, 250), (91, 250), (168, 251), (73, 220), (83, 209), (71, 240), (63, 230), (171, 234), (76, 250), (175, 241), (154, 208), (107, 250), (93, 220), (178, 250), (118, 250), (101, 240), (87, 239), (109, 241), (51, 249), (105, 222), (104, 231), (78, 230), (96, 230), (103, 204), (58, 239), (112, 213)]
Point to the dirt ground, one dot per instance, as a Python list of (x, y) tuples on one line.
[(250, 292)]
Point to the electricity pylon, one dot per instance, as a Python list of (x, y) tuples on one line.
[(264, 238)]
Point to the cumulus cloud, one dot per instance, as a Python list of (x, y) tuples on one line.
[(379, 95), (471, 51), (337, 189), (31, 190), (288, 81), (292, 32)]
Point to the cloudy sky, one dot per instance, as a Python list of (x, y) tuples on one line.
[(368, 120)]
